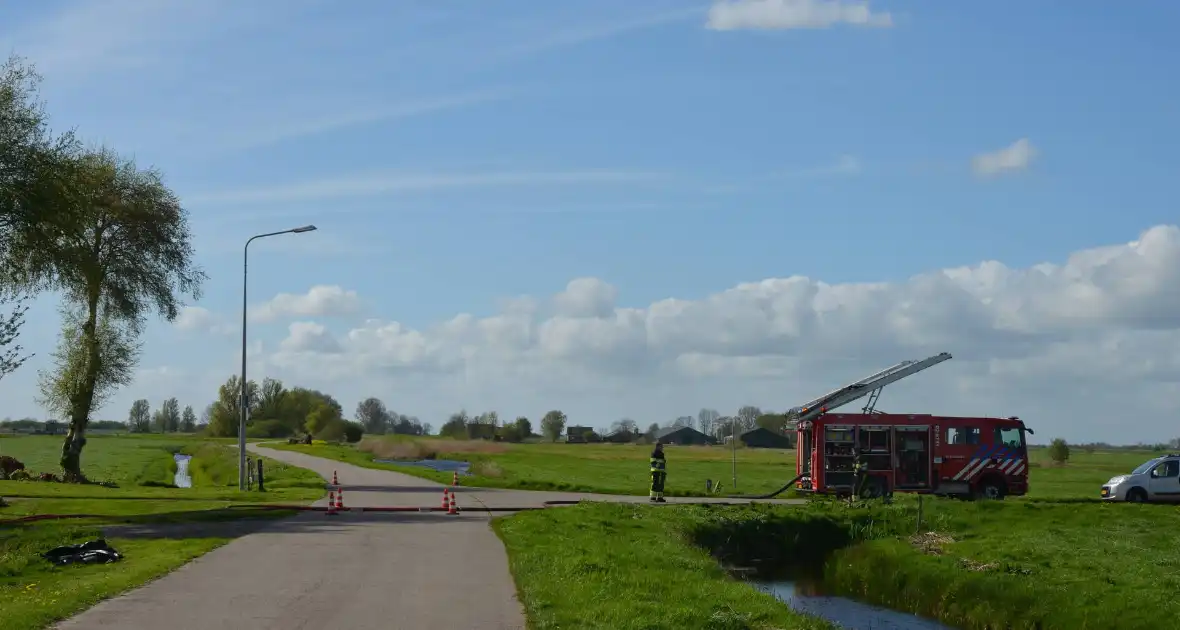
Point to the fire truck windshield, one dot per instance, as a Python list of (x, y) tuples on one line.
[(1011, 437)]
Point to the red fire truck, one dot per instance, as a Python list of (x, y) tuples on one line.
[(963, 457)]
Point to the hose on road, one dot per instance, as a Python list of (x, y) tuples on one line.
[(765, 496)]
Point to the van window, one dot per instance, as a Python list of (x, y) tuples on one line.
[(1010, 437), (1167, 469), (962, 435)]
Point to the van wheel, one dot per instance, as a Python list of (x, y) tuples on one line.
[(992, 490), (1137, 495)]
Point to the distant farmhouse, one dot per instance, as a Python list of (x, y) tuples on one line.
[(621, 436), (683, 436), (581, 435)]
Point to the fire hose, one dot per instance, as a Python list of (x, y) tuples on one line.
[(765, 496)]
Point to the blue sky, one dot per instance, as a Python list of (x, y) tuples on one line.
[(456, 156)]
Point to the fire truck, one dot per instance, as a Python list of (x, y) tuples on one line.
[(954, 456)]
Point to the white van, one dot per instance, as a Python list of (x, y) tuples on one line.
[(1154, 480)]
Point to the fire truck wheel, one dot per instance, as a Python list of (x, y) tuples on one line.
[(875, 489), (991, 489)]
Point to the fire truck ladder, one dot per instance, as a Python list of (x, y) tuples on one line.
[(870, 386)]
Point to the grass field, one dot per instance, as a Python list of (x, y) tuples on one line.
[(622, 468), (35, 594), (1016, 564), (604, 468)]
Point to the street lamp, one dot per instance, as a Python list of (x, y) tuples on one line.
[(244, 398)]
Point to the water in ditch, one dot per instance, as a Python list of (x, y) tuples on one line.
[(441, 465), (182, 478), (843, 612)]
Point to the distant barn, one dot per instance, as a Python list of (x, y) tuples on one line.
[(683, 436), (620, 436), (581, 435), (762, 437), (481, 431)]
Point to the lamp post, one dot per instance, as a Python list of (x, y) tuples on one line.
[(243, 400), (733, 448)]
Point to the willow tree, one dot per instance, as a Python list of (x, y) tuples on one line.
[(125, 254), (32, 206), (118, 353)]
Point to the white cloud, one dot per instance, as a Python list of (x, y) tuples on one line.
[(729, 15), (319, 301), (271, 132), (562, 38), (202, 320), (845, 165), (99, 36), (1075, 346), (309, 337), (385, 183), (1014, 157)]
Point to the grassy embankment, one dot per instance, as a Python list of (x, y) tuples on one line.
[(1055, 560), (601, 468), (35, 594)]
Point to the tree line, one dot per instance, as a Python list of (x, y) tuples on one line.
[(109, 236), (167, 419)]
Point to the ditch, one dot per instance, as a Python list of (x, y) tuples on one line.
[(786, 557)]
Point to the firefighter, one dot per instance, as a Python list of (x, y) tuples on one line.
[(860, 469), (659, 473)]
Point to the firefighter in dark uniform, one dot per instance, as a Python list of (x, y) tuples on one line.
[(659, 473), (860, 470)]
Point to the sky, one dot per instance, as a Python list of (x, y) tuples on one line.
[(639, 209)]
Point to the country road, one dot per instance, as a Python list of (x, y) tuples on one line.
[(353, 571)]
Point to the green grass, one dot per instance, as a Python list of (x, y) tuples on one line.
[(618, 566), (1016, 564), (622, 468), (602, 468), (123, 460), (36, 594)]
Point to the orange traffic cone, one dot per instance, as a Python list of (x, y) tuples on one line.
[(455, 479), (446, 504), (334, 482), (339, 498), (454, 507), (331, 503)]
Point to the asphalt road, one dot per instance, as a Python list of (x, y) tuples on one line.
[(352, 571)]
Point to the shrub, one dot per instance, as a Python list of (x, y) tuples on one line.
[(353, 432), (1059, 451), (333, 432), (511, 433), (19, 475), (268, 429), (487, 468), (425, 448), (49, 477), (10, 464)]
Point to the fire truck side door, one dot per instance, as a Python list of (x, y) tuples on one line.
[(961, 451)]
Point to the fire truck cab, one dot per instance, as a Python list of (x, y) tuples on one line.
[(961, 457)]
